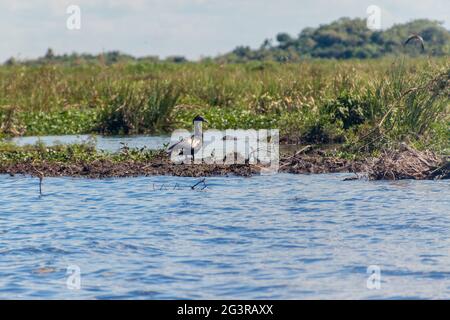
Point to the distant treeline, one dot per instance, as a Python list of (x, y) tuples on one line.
[(342, 39), (106, 58), (349, 38)]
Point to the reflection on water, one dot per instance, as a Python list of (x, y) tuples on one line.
[(107, 143), (113, 143), (281, 237)]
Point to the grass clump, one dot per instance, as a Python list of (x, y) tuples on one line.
[(136, 108)]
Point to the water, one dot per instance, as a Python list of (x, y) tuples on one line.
[(264, 237), (107, 143)]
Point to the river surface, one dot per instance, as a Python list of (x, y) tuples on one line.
[(265, 237)]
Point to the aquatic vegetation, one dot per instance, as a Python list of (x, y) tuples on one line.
[(363, 104), (70, 153), (71, 121)]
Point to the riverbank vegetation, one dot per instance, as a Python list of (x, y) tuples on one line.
[(322, 87), (363, 105), (83, 160)]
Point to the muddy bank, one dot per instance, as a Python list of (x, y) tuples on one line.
[(161, 165), (109, 169), (309, 161), (391, 165)]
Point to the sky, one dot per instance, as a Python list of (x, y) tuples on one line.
[(192, 28)]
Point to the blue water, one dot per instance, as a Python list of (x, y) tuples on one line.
[(264, 237), (107, 143)]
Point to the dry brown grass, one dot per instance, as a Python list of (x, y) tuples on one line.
[(407, 163)]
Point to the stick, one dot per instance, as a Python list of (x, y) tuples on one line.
[(40, 185), (294, 155), (201, 181)]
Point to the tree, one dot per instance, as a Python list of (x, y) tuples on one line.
[(49, 55), (348, 38), (177, 59), (10, 62), (285, 40)]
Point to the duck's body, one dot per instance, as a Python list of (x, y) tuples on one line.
[(192, 143), (189, 143)]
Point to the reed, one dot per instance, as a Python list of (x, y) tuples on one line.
[(365, 104)]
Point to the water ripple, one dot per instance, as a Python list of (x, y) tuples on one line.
[(279, 237)]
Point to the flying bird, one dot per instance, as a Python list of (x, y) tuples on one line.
[(416, 37)]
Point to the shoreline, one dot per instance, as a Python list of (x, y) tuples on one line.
[(400, 164), (105, 168)]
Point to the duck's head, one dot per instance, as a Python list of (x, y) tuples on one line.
[(199, 119)]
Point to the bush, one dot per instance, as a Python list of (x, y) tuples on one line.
[(346, 108)]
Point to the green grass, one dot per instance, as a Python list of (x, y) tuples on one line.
[(362, 104), (69, 154)]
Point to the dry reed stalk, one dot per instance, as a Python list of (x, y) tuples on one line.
[(407, 163)]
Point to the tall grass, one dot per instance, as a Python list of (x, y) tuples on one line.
[(410, 106), (137, 108), (386, 100)]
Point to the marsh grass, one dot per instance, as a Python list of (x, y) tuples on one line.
[(363, 104), (410, 107)]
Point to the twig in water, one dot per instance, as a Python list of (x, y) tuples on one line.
[(201, 181), (356, 177), (177, 186), (40, 175), (40, 185)]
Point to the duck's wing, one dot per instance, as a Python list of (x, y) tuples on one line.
[(185, 143), (418, 38), (170, 148), (409, 39)]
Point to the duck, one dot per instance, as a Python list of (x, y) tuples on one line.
[(190, 143)]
